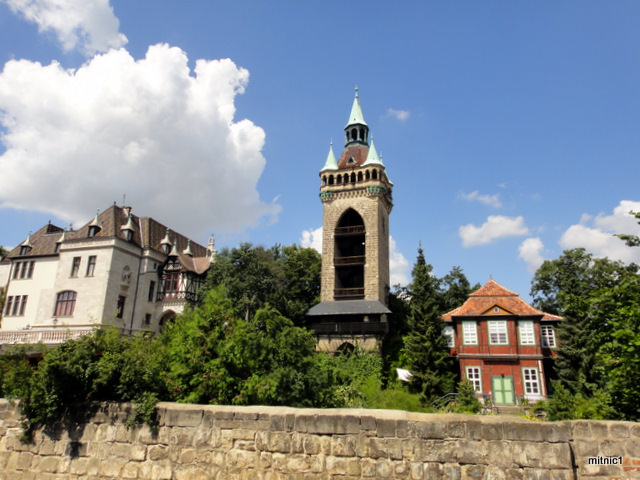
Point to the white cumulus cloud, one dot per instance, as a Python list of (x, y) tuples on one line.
[(401, 115), (398, 264), (165, 136), (89, 25), (596, 234), (496, 226), (475, 196), (531, 252), (312, 239)]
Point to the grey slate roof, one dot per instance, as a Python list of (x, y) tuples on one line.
[(348, 307)]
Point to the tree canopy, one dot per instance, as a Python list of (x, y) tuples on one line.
[(287, 278), (599, 337), (425, 348)]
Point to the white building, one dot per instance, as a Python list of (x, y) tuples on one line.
[(119, 269)]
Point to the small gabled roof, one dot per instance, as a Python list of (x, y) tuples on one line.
[(494, 299)]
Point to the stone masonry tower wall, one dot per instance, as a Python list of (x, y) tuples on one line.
[(356, 199), (375, 215)]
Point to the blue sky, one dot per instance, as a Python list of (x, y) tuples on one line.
[(510, 129)]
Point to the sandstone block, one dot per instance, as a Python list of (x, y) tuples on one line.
[(158, 452), (336, 465), (343, 446), (182, 418)]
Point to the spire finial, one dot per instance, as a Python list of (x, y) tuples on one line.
[(356, 89)]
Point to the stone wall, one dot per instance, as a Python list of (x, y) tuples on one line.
[(273, 443)]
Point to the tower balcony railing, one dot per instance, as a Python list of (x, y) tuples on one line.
[(350, 260), (348, 293), (350, 328), (350, 230)]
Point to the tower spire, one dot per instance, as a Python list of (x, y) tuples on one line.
[(357, 130)]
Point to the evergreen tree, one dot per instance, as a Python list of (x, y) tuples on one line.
[(455, 289), (570, 286), (425, 347)]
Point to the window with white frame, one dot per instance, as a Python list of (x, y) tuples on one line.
[(473, 375), (498, 332), (527, 335), (447, 332), (548, 336), (469, 332), (531, 381)]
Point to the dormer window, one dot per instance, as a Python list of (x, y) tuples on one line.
[(128, 229), (24, 250), (94, 227), (165, 244)]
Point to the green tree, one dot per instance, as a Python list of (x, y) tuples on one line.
[(455, 289), (620, 354), (425, 347), (214, 357), (249, 276), (98, 367), (631, 240), (301, 283), (570, 286), (288, 278), (467, 400)]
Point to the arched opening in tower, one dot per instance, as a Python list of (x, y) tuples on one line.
[(349, 256)]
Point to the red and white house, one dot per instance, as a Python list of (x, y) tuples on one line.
[(502, 344)]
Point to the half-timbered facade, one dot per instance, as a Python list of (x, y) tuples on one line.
[(120, 269), (502, 344)]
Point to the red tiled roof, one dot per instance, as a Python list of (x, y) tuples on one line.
[(492, 295), (357, 152)]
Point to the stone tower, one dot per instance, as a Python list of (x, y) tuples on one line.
[(356, 199)]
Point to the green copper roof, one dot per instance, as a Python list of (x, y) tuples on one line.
[(331, 163), (372, 156), (356, 117)]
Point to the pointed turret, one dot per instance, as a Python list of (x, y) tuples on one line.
[(187, 251), (128, 228), (95, 226), (357, 130), (165, 244), (372, 156), (331, 163)]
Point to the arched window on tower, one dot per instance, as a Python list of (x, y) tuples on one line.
[(374, 174), (349, 256), (330, 179)]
